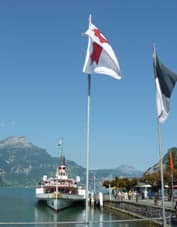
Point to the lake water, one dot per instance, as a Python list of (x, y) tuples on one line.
[(19, 205)]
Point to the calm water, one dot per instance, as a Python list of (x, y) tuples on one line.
[(19, 205)]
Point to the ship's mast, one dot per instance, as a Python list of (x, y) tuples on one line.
[(60, 145), (61, 169)]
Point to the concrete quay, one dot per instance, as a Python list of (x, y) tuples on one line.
[(144, 209)]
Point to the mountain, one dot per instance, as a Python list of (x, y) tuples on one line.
[(130, 171), (22, 163), (156, 167), (123, 171)]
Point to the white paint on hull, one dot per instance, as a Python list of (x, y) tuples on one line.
[(59, 204)]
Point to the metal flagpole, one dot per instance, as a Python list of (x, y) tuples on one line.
[(94, 184), (172, 189), (88, 147), (160, 150), (88, 142), (161, 172)]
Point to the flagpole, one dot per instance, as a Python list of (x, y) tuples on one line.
[(161, 171), (91, 63), (88, 147), (88, 140), (160, 149), (172, 189)]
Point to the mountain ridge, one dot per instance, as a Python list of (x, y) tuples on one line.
[(166, 163), (22, 163)]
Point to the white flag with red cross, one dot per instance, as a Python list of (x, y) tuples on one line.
[(100, 57)]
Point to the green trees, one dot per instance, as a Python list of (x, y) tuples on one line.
[(121, 183)]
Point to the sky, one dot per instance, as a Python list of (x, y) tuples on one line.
[(43, 92)]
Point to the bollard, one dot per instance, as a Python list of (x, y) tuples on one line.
[(101, 199)]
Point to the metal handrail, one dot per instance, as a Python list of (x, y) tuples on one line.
[(82, 222)]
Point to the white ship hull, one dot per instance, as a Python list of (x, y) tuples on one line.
[(58, 201), (59, 204)]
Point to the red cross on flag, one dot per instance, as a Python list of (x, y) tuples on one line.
[(100, 57)]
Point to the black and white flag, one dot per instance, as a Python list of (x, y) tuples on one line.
[(165, 82)]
